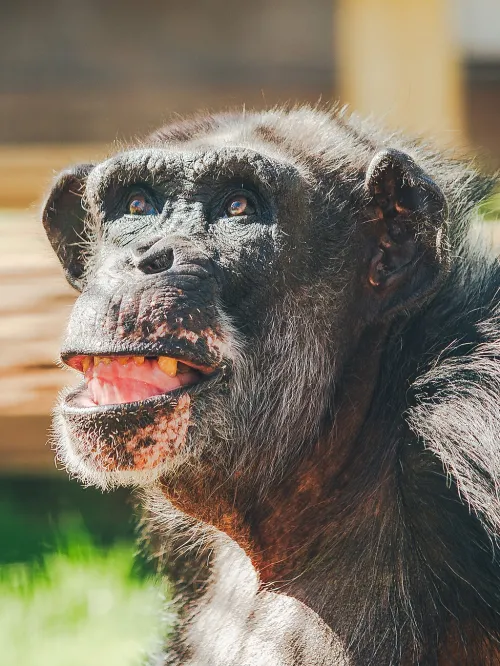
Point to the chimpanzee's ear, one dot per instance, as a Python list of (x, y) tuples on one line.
[(407, 231), (63, 219)]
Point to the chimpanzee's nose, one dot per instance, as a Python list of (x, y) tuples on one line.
[(154, 256)]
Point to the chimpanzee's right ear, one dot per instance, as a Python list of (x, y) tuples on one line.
[(63, 218)]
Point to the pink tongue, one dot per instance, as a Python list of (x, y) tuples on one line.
[(114, 383)]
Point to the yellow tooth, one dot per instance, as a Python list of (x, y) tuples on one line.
[(138, 360), (102, 359), (168, 365), (123, 360), (85, 363)]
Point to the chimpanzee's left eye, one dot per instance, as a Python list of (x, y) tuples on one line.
[(138, 204)]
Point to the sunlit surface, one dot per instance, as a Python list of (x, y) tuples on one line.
[(83, 607)]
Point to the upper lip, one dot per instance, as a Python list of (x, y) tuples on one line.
[(184, 352)]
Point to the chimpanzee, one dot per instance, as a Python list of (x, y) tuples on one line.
[(288, 335)]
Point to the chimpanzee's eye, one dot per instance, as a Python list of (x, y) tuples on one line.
[(239, 205), (138, 204)]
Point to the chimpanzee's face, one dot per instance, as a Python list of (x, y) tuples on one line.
[(189, 259), (222, 288)]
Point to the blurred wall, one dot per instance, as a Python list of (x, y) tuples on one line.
[(88, 70)]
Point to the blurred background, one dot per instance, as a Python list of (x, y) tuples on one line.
[(79, 75)]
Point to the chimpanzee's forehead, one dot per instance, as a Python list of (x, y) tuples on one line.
[(180, 170)]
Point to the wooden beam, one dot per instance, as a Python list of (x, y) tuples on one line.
[(35, 301), (397, 60), (26, 171)]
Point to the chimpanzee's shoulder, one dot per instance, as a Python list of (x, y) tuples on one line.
[(453, 394)]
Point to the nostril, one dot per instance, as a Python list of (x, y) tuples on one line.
[(156, 260)]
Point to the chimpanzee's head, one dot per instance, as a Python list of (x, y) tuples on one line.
[(228, 269)]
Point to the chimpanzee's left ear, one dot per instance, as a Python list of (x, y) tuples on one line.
[(406, 230)]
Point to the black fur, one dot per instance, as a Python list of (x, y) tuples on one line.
[(399, 553)]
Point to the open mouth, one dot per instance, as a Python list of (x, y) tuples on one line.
[(132, 412), (119, 379)]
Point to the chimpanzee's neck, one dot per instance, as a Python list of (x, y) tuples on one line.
[(282, 532)]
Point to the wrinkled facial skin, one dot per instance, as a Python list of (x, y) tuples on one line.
[(192, 281)]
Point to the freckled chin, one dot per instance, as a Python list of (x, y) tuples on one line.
[(116, 441)]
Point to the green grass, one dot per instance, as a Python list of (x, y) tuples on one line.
[(83, 606), (71, 591), (490, 209)]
